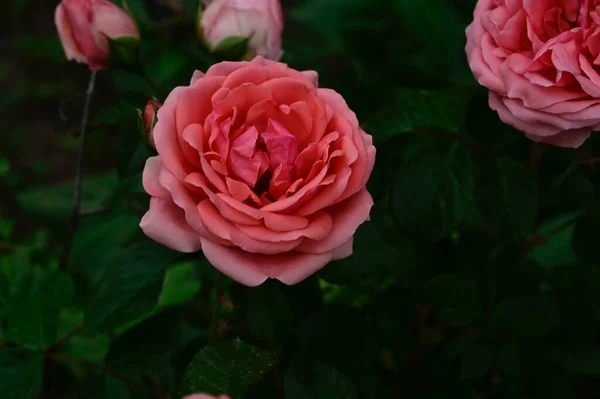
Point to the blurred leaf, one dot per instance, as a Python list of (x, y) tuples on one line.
[(46, 48), (57, 201), (4, 166), (557, 249), (232, 48), (475, 362), (431, 195), (455, 298), (140, 353), (507, 196), (269, 314), (115, 389), (417, 109), (585, 362), (180, 285), (440, 33), (32, 319), (130, 287), (335, 15), (20, 373), (164, 68), (527, 317), (123, 50), (584, 246), (227, 368), (331, 384)]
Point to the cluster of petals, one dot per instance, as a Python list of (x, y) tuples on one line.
[(541, 61), (260, 169)]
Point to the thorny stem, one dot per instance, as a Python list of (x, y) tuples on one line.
[(72, 226)]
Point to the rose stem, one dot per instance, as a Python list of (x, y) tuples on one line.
[(72, 226)]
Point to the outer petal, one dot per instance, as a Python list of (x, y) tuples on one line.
[(347, 216), (65, 34), (150, 178), (165, 222), (254, 269), (112, 22)]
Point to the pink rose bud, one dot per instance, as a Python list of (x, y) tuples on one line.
[(85, 27), (260, 20), (149, 117), (204, 396), (539, 60), (259, 168)]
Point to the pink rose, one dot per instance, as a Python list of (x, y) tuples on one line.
[(149, 119), (540, 59), (261, 170), (261, 20), (204, 396), (84, 27)]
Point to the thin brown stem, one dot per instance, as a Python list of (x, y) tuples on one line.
[(72, 226)]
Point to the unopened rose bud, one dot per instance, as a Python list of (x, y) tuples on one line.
[(261, 21), (86, 28), (149, 117)]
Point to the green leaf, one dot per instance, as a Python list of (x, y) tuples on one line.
[(130, 287), (232, 48), (33, 314), (4, 166), (331, 384), (269, 314), (585, 362), (418, 109), (20, 373), (455, 298), (115, 389), (557, 249), (475, 362), (123, 50), (57, 201), (584, 246), (528, 317), (180, 285), (140, 353), (507, 197), (432, 194), (98, 241), (227, 368)]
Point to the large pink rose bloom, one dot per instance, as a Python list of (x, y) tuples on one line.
[(261, 170), (261, 20), (540, 59), (84, 27)]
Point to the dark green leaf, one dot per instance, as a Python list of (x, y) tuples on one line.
[(123, 50), (475, 363), (431, 196), (137, 351), (180, 285), (416, 108), (585, 362), (526, 317), (584, 246), (20, 373), (269, 314), (227, 368), (455, 299), (507, 196), (331, 384), (33, 313), (130, 287)]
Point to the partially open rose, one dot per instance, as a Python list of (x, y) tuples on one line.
[(541, 61), (261, 170)]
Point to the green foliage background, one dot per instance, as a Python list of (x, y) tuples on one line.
[(477, 277)]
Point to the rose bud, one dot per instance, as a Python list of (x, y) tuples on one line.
[(149, 119), (539, 60), (259, 168), (259, 20), (85, 28)]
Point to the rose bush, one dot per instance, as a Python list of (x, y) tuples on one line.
[(260, 20), (260, 169), (85, 27), (540, 60)]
